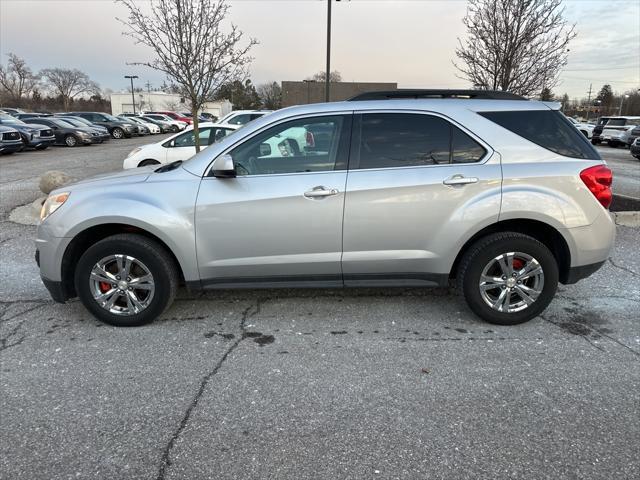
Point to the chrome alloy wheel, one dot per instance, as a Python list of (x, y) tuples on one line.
[(122, 284), (511, 282)]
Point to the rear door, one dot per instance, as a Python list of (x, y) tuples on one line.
[(411, 190)]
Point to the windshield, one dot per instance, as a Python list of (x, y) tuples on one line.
[(7, 119), (73, 122), (81, 120), (60, 123), (111, 118)]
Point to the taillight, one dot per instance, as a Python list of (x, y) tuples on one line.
[(311, 142), (598, 180)]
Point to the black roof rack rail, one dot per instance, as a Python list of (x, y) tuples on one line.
[(420, 93)]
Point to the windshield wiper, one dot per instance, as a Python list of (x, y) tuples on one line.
[(168, 167)]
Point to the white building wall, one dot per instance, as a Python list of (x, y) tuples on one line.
[(145, 101)]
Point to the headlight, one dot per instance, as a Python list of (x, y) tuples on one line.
[(52, 203), (133, 152)]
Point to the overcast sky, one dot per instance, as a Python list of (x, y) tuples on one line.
[(411, 42)]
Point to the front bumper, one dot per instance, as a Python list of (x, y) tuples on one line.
[(36, 142), (11, 147)]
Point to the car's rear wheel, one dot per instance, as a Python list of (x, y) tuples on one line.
[(117, 133), (126, 280), (149, 161), (174, 128), (508, 278), (70, 141)]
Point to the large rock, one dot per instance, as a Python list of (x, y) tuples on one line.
[(52, 180)]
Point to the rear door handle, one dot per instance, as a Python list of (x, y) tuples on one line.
[(459, 180), (320, 191)]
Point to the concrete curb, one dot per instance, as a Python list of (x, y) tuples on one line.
[(28, 214), (626, 219)]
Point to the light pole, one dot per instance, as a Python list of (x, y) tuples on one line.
[(327, 80), (133, 98), (621, 103)]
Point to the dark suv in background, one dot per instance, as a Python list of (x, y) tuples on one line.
[(118, 128), (33, 134)]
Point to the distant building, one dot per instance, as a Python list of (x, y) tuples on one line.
[(161, 101), (298, 93)]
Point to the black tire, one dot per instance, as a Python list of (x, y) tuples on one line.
[(613, 144), (480, 254), (42, 147), (175, 129), (595, 142), (70, 141), (148, 161), (159, 263), (117, 133)]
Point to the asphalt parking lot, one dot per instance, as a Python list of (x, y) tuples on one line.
[(375, 383)]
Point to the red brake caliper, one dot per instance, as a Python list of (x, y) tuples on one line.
[(517, 264), (105, 287)]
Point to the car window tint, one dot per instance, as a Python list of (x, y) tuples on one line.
[(465, 149), (547, 128), (218, 134), (292, 148), (403, 140), (188, 139), (253, 116)]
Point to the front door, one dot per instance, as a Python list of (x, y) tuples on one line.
[(279, 221)]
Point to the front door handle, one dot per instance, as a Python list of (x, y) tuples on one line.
[(320, 191), (459, 180)]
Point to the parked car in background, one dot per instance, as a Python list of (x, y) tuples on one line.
[(67, 134), (635, 148), (11, 111), (174, 116), (151, 127), (176, 125), (33, 134), (190, 116), (165, 127), (585, 128), (21, 116), (631, 135), (180, 146), (609, 129), (242, 117), (209, 117), (118, 127), (10, 140), (104, 132)]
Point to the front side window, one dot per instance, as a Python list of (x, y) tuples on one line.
[(188, 139), (239, 119), (390, 140), (548, 128), (306, 145)]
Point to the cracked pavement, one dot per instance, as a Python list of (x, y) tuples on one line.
[(371, 383)]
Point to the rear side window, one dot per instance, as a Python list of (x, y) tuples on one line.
[(547, 128), (390, 140)]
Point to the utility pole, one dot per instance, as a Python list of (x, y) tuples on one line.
[(133, 98), (589, 102), (328, 74), (148, 85)]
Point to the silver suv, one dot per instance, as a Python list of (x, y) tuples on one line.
[(405, 188)]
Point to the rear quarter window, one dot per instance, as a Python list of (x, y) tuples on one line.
[(548, 128)]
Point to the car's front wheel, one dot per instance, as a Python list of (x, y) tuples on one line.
[(117, 133), (70, 141), (126, 280), (508, 278)]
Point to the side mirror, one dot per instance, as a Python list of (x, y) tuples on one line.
[(223, 167), (265, 149)]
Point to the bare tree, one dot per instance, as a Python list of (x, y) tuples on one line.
[(17, 79), (334, 76), (514, 45), (69, 83), (193, 46), (270, 95)]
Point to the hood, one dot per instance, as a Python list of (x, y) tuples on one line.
[(32, 127), (134, 175)]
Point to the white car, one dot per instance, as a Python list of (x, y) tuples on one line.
[(585, 128), (180, 146), (242, 117), (177, 125), (153, 128)]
